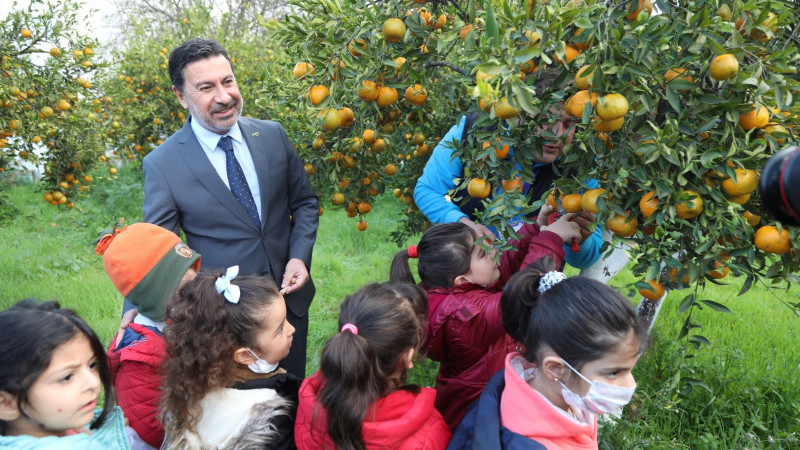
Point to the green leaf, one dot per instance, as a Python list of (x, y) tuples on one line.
[(717, 306), (524, 97), (748, 283), (491, 26), (526, 55), (686, 303), (699, 340), (673, 99)]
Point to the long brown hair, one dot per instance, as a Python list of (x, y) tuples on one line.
[(204, 332), (356, 367)]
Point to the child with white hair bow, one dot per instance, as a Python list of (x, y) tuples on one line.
[(223, 387)]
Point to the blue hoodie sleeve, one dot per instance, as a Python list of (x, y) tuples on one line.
[(438, 179), (589, 252)]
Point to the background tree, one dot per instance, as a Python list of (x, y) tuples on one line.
[(52, 114)]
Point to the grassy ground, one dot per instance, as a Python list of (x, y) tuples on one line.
[(742, 392)]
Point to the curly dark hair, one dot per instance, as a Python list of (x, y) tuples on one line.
[(203, 334)]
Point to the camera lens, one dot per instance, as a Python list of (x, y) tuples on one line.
[(780, 186)]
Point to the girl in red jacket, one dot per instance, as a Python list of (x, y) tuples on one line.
[(464, 332), (359, 399)]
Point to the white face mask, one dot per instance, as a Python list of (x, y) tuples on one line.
[(261, 366), (602, 398)]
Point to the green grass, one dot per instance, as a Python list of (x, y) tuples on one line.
[(741, 392)]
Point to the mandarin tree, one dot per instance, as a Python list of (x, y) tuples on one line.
[(654, 116), (49, 115)]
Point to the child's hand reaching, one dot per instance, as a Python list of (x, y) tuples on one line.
[(564, 227), (544, 215)]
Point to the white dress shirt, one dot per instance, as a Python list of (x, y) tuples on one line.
[(209, 140)]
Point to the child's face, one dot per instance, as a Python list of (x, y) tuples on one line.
[(614, 368), (65, 394), (483, 269), (275, 337)]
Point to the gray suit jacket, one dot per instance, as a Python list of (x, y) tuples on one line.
[(183, 191)]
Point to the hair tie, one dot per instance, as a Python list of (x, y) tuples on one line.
[(224, 286), (550, 279), (412, 251), (350, 327)]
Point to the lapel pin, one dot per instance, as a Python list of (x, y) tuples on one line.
[(255, 134)]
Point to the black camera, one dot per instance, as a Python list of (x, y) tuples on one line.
[(780, 186)]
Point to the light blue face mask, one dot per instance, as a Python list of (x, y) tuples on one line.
[(261, 366), (602, 398)]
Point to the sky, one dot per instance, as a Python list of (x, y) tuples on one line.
[(98, 22)]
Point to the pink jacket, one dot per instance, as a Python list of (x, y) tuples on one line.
[(465, 331)]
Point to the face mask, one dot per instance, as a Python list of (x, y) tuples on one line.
[(261, 366), (602, 398)]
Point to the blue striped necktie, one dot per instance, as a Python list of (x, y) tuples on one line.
[(237, 181)]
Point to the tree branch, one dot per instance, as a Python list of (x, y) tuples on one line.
[(451, 66)]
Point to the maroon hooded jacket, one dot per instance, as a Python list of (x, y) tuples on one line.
[(465, 329)]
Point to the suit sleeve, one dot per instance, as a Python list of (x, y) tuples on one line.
[(303, 205), (438, 179), (159, 206)]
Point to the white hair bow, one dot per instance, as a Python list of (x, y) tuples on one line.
[(224, 286)]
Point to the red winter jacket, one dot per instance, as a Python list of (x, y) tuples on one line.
[(465, 328), (401, 420), (134, 372)]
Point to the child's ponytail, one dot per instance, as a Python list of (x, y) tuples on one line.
[(444, 252), (520, 296), (400, 270), (579, 318), (377, 324)]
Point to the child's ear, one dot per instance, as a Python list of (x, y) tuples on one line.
[(243, 356), (461, 279), (408, 358), (8, 407), (553, 368)]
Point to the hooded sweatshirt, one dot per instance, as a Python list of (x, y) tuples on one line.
[(401, 420)]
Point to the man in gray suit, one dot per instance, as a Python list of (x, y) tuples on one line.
[(235, 186)]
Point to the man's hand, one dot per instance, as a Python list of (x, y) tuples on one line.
[(295, 277), (585, 221), (480, 230), (127, 318)]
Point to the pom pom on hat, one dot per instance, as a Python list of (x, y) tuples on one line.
[(146, 263)]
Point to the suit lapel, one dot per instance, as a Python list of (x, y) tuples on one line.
[(256, 144), (195, 158)]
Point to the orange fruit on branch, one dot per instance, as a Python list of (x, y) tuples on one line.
[(769, 239), (690, 207), (386, 96), (612, 106), (745, 182), (623, 225), (479, 188), (394, 30), (656, 292), (648, 204), (577, 102), (416, 94), (723, 67), (758, 117), (589, 200), (301, 69)]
